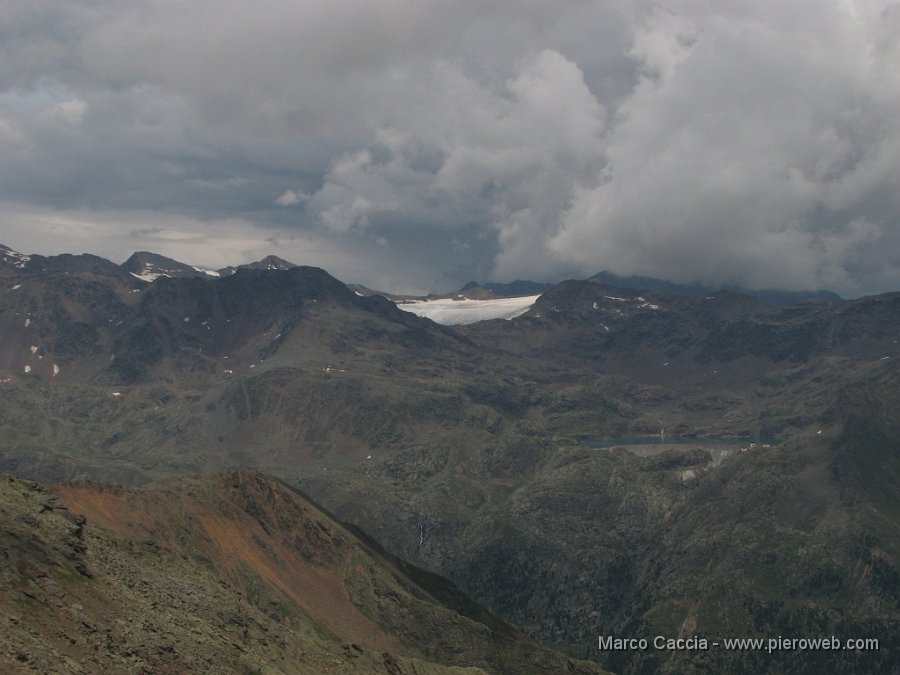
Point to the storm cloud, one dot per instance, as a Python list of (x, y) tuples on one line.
[(417, 145)]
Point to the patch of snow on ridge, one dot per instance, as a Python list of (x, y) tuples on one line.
[(15, 258), (451, 312), (147, 276), (211, 273)]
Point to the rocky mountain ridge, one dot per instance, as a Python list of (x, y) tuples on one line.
[(226, 573), (148, 266)]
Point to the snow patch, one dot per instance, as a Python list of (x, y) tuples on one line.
[(449, 312), (34, 349), (147, 276), (16, 287), (27, 322), (27, 369), (211, 273), (16, 259), (55, 370)]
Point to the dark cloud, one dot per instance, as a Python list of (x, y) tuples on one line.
[(758, 147), (417, 145)]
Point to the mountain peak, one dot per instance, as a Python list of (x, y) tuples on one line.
[(149, 266), (11, 258), (270, 262)]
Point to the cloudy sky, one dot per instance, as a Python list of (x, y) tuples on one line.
[(413, 145)]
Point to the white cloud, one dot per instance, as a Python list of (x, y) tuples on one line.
[(292, 198), (754, 142), (506, 160), (757, 148)]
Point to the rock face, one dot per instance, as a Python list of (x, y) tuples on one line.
[(231, 573)]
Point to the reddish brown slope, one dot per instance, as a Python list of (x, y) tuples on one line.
[(231, 573)]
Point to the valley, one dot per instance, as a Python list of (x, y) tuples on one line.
[(466, 449)]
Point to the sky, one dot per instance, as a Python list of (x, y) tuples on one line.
[(415, 145)]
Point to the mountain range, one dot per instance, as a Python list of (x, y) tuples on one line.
[(150, 266), (612, 462)]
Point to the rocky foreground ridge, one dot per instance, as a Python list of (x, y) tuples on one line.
[(229, 573)]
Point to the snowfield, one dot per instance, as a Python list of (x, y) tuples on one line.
[(451, 312)]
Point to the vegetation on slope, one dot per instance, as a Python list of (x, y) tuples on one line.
[(230, 573)]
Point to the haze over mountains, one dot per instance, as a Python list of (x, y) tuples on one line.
[(613, 461)]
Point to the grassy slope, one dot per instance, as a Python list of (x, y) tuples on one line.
[(235, 573)]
